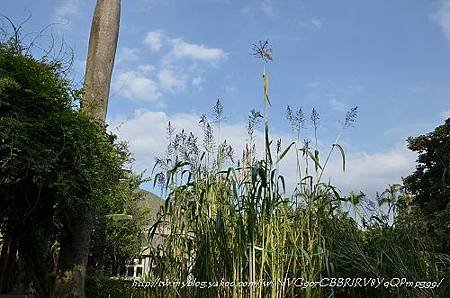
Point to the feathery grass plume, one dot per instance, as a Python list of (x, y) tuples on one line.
[(278, 146), (297, 120), (254, 119), (263, 51), (208, 141), (350, 117), (170, 130), (315, 119), (218, 112), (289, 115), (300, 121), (349, 121), (297, 123)]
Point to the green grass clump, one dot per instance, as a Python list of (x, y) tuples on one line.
[(228, 220)]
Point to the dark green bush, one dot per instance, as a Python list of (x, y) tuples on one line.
[(53, 161)]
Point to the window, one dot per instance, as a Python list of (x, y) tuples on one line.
[(138, 271), (130, 271)]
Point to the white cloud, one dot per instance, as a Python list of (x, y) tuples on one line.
[(126, 54), (197, 82), (146, 145), (135, 131), (171, 81), (268, 8), (407, 129), (154, 40), (182, 49), (337, 105), (146, 68), (368, 172), (230, 89), (176, 71), (445, 114), (136, 85), (372, 172), (149, 83), (66, 10), (442, 17)]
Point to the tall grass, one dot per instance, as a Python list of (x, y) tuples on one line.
[(231, 220)]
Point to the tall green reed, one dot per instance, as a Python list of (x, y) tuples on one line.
[(238, 224), (229, 219)]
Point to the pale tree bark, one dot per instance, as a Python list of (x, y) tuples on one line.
[(74, 253), (100, 60)]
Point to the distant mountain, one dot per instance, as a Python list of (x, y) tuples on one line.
[(150, 200)]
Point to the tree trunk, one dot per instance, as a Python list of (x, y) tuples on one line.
[(73, 257), (100, 60), (74, 251), (7, 261), (4, 262), (36, 260)]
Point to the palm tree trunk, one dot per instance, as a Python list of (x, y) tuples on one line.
[(100, 59), (74, 253)]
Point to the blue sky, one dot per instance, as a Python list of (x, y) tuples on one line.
[(175, 58)]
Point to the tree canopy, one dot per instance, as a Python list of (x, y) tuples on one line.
[(53, 161), (430, 183)]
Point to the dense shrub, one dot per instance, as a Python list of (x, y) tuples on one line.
[(53, 161)]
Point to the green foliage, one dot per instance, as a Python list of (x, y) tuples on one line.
[(102, 286), (53, 161), (34, 103), (48, 145), (119, 236), (401, 250), (430, 183)]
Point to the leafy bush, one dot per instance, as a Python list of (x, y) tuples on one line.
[(53, 161)]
